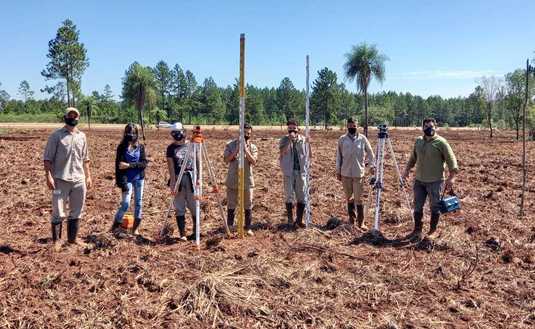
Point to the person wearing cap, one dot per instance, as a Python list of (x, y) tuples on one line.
[(231, 156), (350, 169), (66, 164), (430, 154), (130, 164), (292, 159), (177, 154)]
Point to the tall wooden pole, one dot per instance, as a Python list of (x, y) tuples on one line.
[(524, 168), (241, 163)]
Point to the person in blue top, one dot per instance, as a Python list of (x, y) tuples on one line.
[(130, 164)]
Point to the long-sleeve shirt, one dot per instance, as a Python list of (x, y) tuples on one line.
[(232, 175), (295, 158), (350, 155), (430, 156), (67, 153)]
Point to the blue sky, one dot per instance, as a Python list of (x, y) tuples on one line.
[(435, 47)]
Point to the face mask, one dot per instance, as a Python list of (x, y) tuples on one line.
[(70, 121), (177, 135), (131, 137), (247, 137), (429, 131), (292, 132), (352, 131)]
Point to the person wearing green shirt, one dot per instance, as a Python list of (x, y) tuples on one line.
[(430, 154)]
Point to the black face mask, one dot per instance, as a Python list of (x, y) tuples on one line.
[(130, 137), (70, 121), (247, 137), (177, 135), (429, 131), (352, 131)]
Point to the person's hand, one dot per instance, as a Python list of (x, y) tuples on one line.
[(50, 182), (339, 176), (123, 165), (88, 182), (449, 183)]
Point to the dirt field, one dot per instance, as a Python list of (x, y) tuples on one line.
[(480, 272)]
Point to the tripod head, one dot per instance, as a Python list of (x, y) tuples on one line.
[(382, 131), (197, 135)]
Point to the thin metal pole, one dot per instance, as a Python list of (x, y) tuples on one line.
[(308, 219), (524, 169)]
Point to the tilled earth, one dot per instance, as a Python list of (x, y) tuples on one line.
[(479, 273)]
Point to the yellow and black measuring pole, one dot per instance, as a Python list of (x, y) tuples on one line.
[(241, 161)]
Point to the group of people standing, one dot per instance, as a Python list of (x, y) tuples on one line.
[(66, 163)]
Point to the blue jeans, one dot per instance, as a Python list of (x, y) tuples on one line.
[(137, 186)]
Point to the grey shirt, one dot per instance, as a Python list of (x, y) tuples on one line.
[(67, 153), (232, 175), (287, 160), (350, 155)]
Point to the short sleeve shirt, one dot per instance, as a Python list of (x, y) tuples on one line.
[(179, 152), (67, 153)]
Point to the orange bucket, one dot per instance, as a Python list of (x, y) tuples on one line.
[(128, 221)]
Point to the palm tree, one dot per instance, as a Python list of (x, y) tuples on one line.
[(138, 86), (363, 63)]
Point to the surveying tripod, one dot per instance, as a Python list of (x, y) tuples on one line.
[(378, 179), (196, 151)]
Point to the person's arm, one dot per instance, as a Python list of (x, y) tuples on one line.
[(251, 154), (48, 158), (370, 156), (451, 161), (87, 172), (142, 163), (410, 163), (339, 160), (230, 154), (285, 145), (171, 169)]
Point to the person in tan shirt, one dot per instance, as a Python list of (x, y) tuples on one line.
[(66, 164), (231, 156), (350, 169)]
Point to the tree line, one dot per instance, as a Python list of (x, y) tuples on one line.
[(172, 93)]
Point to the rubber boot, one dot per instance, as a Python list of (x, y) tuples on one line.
[(290, 213), (192, 236), (56, 235), (181, 224), (115, 226), (135, 227), (230, 217), (299, 215), (351, 212), (416, 234), (360, 216), (248, 221), (432, 234), (73, 225)]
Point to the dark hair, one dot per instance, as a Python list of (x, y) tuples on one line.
[(291, 122), (247, 126), (129, 129), (351, 120), (427, 120)]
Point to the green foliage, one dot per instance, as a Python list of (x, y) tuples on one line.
[(68, 59), (325, 102), (139, 88)]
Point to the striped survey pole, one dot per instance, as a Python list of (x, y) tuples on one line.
[(241, 160)]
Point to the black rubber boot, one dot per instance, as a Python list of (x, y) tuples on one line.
[(181, 223), (290, 213), (56, 231), (299, 215), (351, 212), (435, 217), (73, 226), (360, 216), (114, 226), (248, 221), (230, 217), (194, 229), (416, 234), (137, 222)]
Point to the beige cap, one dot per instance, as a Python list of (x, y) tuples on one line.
[(72, 109)]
